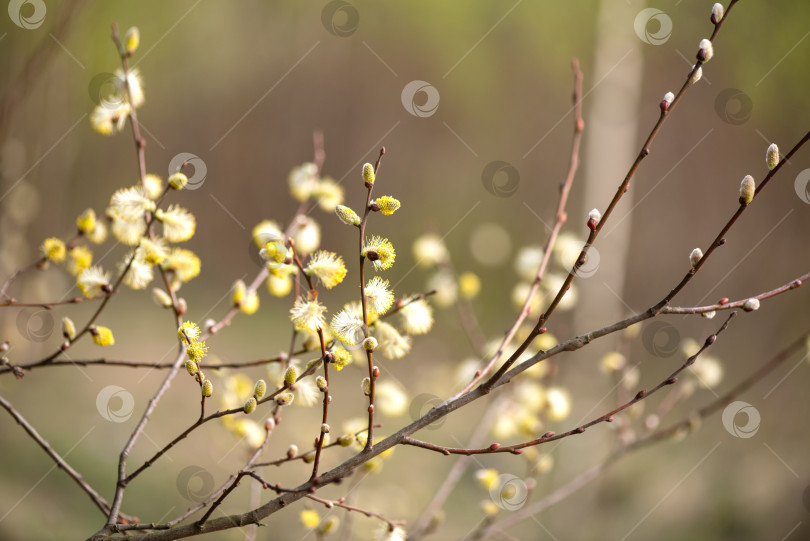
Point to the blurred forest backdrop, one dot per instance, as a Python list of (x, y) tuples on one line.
[(244, 85)]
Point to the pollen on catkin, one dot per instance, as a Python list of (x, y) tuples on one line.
[(387, 204)]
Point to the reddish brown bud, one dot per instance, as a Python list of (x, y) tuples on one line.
[(494, 446)]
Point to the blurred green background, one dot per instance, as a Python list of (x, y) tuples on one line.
[(244, 86)]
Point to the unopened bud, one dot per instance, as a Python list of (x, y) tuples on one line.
[(667, 101), (772, 156), (131, 40), (698, 73), (285, 399), (706, 50), (291, 375), (259, 389), (695, 256), (325, 428), (161, 298), (366, 386), (309, 458), (292, 450), (347, 215), (368, 173), (747, 189), (191, 367), (370, 343), (250, 405), (320, 381), (708, 315), (345, 440), (751, 305), (68, 328), (178, 181), (717, 13), (207, 388), (593, 219)]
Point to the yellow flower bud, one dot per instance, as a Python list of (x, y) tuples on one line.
[(469, 285), (54, 249), (102, 336), (370, 343), (290, 376), (86, 222), (285, 399), (178, 181), (131, 40), (329, 525), (345, 440), (320, 381), (259, 389), (347, 215), (387, 204), (368, 173), (250, 405), (309, 518), (207, 388), (191, 367)]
